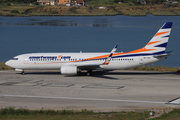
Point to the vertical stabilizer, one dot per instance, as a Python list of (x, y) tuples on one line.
[(159, 42)]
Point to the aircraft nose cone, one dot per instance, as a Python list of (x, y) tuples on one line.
[(8, 63)]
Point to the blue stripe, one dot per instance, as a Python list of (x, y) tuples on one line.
[(135, 55), (162, 45), (167, 25), (166, 36), (132, 55), (111, 55)]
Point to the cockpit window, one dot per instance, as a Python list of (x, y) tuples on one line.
[(14, 58)]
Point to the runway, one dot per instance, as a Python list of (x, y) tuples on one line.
[(108, 91)]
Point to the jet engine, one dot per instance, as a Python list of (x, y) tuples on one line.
[(67, 69)]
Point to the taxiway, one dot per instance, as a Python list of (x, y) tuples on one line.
[(108, 91)]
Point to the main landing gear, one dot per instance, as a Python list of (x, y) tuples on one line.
[(23, 73), (89, 72)]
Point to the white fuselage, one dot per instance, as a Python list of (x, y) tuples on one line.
[(44, 61)]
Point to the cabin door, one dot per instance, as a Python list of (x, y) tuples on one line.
[(140, 59), (25, 59)]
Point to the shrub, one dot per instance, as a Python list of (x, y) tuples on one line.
[(8, 4), (73, 9), (90, 8), (14, 11), (36, 3)]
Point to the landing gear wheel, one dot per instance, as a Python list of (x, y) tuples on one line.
[(89, 72), (23, 73)]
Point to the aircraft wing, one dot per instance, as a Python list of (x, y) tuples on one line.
[(96, 66)]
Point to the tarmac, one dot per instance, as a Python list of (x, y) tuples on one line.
[(119, 90)]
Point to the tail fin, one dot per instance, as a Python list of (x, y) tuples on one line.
[(159, 42)]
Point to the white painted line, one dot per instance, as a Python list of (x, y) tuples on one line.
[(103, 86), (91, 99), (8, 72), (175, 101)]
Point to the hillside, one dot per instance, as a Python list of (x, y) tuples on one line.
[(89, 11)]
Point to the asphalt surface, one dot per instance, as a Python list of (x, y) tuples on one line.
[(103, 91)]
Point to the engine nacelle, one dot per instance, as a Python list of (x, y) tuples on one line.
[(71, 70)]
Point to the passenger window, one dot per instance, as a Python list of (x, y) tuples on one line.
[(14, 58)]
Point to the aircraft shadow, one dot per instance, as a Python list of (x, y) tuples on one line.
[(104, 74)]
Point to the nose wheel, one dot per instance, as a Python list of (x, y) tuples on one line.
[(23, 73)]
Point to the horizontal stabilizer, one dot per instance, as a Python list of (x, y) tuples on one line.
[(165, 54)]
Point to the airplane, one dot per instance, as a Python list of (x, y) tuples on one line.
[(73, 63)]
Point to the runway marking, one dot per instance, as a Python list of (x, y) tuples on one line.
[(8, 72), (175, 101), (103, 86), (90, 99), (57, 85)]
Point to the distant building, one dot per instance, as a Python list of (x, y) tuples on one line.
[(46, 2), (80, 2), (171, 2), (142, 1), (63, 2)]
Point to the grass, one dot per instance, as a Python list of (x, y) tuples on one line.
[(21, 111), (156, 68), (15, 114), (173, 115), (11, 113), (8, 9), (4, 67)]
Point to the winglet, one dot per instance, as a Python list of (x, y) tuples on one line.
[(110, 55)]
